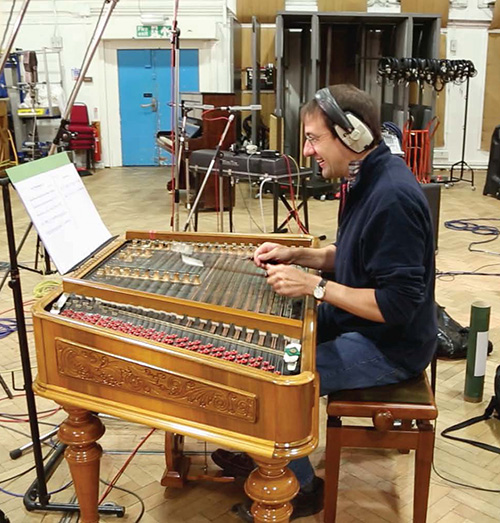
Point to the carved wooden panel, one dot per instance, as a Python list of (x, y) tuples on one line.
[(99, 367)]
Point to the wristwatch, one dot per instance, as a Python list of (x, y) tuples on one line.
[(320, 289)]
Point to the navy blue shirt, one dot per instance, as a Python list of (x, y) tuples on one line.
[(385, 242)]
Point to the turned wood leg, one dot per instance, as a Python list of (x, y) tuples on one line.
[(423, 465), (272, 486), (177, 463), (80, 432)]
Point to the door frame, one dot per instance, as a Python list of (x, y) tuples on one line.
[(109, 92)]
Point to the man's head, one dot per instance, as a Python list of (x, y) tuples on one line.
[(342, 124)]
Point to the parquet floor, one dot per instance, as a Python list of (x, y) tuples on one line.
[(375, 486)]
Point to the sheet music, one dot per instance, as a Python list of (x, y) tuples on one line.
[(60, 208)]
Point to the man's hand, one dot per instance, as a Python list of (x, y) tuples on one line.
[(270, 252), (289, 281)]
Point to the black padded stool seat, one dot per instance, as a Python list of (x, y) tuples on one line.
[(411, 400)]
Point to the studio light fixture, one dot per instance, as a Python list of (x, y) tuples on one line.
[(153, 19)]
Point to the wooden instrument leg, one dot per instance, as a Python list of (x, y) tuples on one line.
[(80, 432), (177, 463), (272, 486)]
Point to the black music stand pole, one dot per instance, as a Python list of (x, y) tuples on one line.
[(38, 489), (15, 285), (462, 163)]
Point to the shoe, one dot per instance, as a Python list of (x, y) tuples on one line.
[(305, 503), (236, 464)]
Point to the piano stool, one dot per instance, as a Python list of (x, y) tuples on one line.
[(408, 401)]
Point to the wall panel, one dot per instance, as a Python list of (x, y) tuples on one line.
[(491, 113), (342, 5), (264, 10), (434, 7)]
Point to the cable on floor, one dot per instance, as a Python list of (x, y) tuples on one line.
[(472, 225)]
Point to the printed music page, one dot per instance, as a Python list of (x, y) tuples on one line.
[(60, 208)]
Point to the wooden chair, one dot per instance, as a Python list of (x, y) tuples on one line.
[(409, 401)]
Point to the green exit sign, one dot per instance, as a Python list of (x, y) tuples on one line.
[(153, 31)]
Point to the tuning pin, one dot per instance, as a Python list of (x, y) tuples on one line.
[(156, 275), (196, 279), (126, 271), (100, 272), (175, 277), (166, 276), (185, 278)]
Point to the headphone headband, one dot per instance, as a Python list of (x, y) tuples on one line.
[(350, 129), (331, 108)]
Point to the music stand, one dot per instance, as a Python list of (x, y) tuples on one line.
[(38, 489)]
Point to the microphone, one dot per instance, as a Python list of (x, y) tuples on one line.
[(209, 107), (231, 108), (197, 105)]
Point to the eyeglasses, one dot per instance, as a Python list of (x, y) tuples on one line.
[(312, 139)]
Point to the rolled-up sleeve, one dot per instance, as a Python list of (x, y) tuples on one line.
[(393, 250)]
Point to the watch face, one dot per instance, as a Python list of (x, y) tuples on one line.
[(319, 292)]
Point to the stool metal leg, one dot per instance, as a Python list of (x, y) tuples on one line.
[(332, 468)]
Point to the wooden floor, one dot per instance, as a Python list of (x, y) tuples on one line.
[(375, 486)]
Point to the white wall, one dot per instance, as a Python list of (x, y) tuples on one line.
[(204, 25)]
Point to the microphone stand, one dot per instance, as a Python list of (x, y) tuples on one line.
[(209, 171), (91, 49), (15, 30), (182, 150), (175, 115), (462, 163)]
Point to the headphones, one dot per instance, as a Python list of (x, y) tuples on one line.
[(351, 131)]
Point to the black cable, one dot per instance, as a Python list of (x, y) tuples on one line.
[(141, 501), (474, 487), (55, 410), (471, 225), (475, 272), (24, 472), (455, 482)]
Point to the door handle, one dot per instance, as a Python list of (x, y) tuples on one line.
[(153, 105)]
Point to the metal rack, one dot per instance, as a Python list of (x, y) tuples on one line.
[(308, 57), (24, 118)]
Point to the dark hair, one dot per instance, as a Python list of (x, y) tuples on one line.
[(351, 99)]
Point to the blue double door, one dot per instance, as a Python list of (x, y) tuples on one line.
[(145, 89)]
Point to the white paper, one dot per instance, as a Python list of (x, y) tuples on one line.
[(481, 353), (63, 214)]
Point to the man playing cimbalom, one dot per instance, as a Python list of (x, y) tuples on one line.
[(376, 315)]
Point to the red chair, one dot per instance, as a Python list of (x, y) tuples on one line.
[(79, 125)]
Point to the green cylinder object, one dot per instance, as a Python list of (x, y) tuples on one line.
[(477, 351)]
